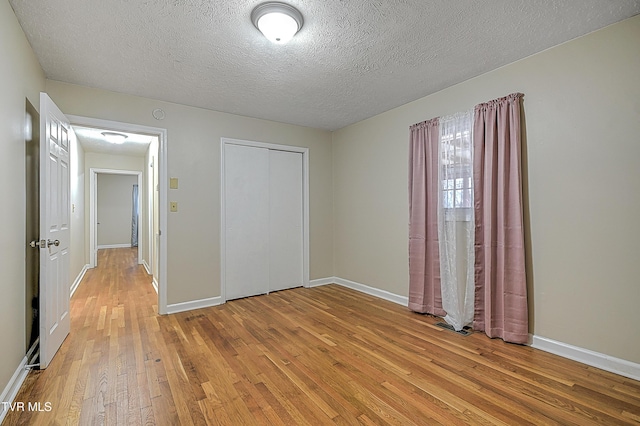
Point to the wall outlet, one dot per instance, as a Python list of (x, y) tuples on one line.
[(173, 206)]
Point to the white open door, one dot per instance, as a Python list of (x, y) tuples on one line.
[(54, 229)]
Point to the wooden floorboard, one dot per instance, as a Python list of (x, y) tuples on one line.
[(319, 356)]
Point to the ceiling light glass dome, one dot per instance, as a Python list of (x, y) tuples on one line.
[(279, 22)]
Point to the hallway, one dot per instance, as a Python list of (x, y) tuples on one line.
[(94, 376)]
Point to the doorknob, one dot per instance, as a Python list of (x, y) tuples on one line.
[(53, 243)]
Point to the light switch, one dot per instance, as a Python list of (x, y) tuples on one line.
[(173, 183), (173, 206)]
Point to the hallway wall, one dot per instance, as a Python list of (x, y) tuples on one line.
[(114, 209), (105, 161)]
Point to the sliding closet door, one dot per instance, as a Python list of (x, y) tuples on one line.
[(264, 220), (285, 220), (247, 221)]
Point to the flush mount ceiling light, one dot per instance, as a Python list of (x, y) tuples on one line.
[(279, 22), (114, 137)]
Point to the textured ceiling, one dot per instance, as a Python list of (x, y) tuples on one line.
[(352, 59)]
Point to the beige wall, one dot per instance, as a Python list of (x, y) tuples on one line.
[(194, 158), (582, 108), (97, 160), (20, 78)]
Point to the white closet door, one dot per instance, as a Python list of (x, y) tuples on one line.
[(285, 220), (247, 221)]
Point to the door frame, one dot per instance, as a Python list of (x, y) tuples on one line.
[(305, 204), (163, 209), (93, 208)]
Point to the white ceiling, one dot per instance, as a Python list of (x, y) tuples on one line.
[(352, 59)]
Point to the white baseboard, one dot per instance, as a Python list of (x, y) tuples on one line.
[(595, 359), (78, 279), (15, 383), (11, 390), (194, 304), (154, 281), (372, 291), (111, 246), (322, 281), (146, 267)]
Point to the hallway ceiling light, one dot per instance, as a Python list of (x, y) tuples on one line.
[(114, 137), (279, 22)]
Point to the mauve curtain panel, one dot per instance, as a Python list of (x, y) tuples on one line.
[(500, 279), (424, 260)]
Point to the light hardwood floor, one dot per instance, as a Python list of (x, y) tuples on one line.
[(326, 355)]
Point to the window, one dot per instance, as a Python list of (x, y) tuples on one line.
[(457, 192), (456, 175)]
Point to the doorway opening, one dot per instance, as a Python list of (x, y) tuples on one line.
[(115, 216), (143, 158)]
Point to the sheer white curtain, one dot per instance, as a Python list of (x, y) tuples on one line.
[(456, 226)]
